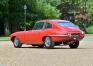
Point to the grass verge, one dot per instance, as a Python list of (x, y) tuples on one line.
[(90, 30), (4, 38)]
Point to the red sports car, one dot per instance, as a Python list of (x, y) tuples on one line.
[(49, 33)]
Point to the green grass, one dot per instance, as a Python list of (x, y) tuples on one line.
[(4, 38), (90, 30)]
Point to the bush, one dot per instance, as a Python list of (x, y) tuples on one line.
[(90, 29)]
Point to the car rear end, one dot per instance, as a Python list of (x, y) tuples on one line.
[(67, 37), (67, 32)]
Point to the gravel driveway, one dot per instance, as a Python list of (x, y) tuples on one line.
[(60, 56)]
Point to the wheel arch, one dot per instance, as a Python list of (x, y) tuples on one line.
[(12, 39), (44, 38)]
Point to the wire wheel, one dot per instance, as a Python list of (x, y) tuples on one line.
[(48, 42), (17, 43)]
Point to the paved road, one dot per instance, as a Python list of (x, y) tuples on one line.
[(60, 56)]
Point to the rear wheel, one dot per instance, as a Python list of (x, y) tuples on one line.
[(48, 43), (74, 44), (17, 43)]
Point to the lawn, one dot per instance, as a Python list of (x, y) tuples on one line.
[(90, 30), (4, 38)]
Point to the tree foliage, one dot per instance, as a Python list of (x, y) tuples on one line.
[(12, 11)]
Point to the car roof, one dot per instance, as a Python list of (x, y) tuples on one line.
[(53, 20)]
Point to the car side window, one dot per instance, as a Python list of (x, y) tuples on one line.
[(38, 26), (48, 25)]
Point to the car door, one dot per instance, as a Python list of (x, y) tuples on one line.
[(47, 30), (35, 34)]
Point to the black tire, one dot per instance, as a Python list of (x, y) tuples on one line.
[(74, 45), (48, 43), (17, 43), (40, 46)]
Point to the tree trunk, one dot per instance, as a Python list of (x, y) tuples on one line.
[(6, 29)]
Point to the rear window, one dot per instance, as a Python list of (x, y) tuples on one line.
[(66, 24)]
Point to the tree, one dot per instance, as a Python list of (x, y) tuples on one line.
[(4, 17), (12, 11), (76, 8), (39, 9)]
